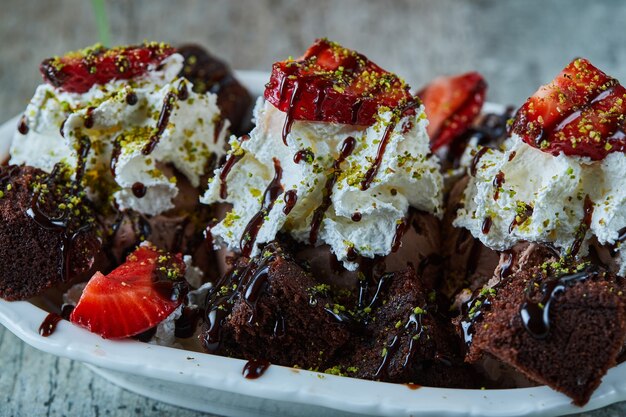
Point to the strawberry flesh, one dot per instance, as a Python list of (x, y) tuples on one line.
[(451, 105), (581, 112), (333, 84), (77, 72), (135, 296)]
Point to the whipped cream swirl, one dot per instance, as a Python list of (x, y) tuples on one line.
[(521, 193), (313, 187), (137, 130)]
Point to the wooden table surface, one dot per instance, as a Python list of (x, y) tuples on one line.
[(516, 45)]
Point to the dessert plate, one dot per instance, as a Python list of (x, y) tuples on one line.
[(215, 384)]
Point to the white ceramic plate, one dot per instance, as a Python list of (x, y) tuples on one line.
[(215, 384)]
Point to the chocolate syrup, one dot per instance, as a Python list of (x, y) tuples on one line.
[(411, 331), (217, 128), (272, 192), (497, 183), (347, 148), (227, 167), (512, 155), (115, 153), (131, 98), (291, 198), (164, 119), (535, 314), (303, 155), (254, 369), (58, 224), (401, 229), (49, 324), (352, 254), (581, 232), (88, 122), (247, 281), (371, 173), (356, 217), (505, 267), (474, 166), (289, 116), (22, 125), (486, 226), (520, 218), (182, 93), (139, 190), (356, 108)]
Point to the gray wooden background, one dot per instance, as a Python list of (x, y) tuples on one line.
[(516, 45)]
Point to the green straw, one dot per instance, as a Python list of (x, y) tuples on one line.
[(102, 22)]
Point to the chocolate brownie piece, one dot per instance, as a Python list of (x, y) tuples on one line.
[(47, 231), (269, 308), (406, 339), (209, 74), (560, 326)]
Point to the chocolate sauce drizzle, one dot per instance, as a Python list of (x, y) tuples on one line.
[(227, 167), (22, 125), (164, 119), (371, 173), (272, 192), (520, 218), (254, 369), (88, 120), (581, 232), (479, 154), (249, 282), (535, 314), (486, 226), (60, 224), (49, 325), (412, 330), (291, 198), (131, 98), (401, 228), (497, 183), (347, 147), (303, 155), (139, 189)]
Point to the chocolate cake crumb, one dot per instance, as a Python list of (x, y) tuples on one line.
[(563, 326), (38, 254)]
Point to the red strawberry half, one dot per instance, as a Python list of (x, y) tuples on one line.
[(333, 84), (78, 71), (452, 104), (581, 112), (135, 296)]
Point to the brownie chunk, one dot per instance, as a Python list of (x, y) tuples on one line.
[(209, 74), (406, 339), (560, 326), (47, 231), (269, 308)]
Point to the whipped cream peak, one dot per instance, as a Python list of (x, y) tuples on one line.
[(520, 193), (141, 133), (312, 186)]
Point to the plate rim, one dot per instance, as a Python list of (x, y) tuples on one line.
[(282, 383)]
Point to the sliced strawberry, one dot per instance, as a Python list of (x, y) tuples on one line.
[(452, 104), (581, 112), (135, 296), (78, 71), (333, 84)]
